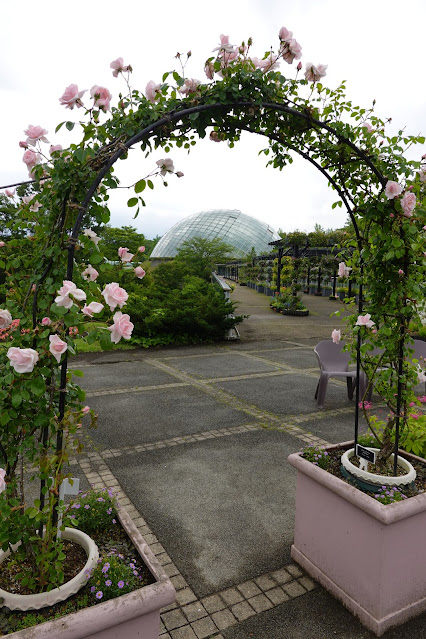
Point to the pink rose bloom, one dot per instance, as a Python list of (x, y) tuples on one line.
[(90, 274), (54, 148), (141, 249), (152, 91), (92, 235), (118, 67), (224, 45), (85, 410), (291, 51), (392, 189), (342, 268), (285, 35), (122, 251), (365, 320), (2, 244), (2, 482), (46, 321), (122, 327), (214, 136), (22, 360), (127, 257), (179, 174), (93, 307), (115, 295), (35, 206), (57, 347), (102, 97), (314, 73), (270, 63), (72, 97), (256, 62), (5, 318), (367, 126), (31, 159), (139, 272), (335, 336), (69, 288), (400, 272), (209, 70), (299, 66), (23, 145), (35, 133), (190, 86), (422, 176), (166, 166), (10, 192), (408, 203)]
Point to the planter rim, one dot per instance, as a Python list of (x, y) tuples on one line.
[(36, 601), (386, 514), (379, 480), (98, 617)]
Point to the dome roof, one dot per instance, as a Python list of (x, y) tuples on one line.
[(233, 227)]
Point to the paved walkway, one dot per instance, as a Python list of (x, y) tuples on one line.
[(195, 441)]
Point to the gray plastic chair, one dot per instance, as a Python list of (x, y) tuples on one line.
[(420, 354), (333, 362)]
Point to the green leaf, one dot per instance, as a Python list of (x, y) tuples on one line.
[(140, 186), (16, 399), (132, 202), (77, 373), (69, 125), (4, 418), (59, 126), (96, 258), (150, 184), (38, 386)]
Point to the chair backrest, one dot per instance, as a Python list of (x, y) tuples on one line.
[(331, 357), (419, 352)]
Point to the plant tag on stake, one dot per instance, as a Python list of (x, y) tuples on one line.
[(365, 455), (67, 488)]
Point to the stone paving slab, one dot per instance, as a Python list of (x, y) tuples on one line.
[(128, 419), (334, 429), (316, 616), (122, 375), (287, 394), (224, 365), (297, 357), (223, 508)]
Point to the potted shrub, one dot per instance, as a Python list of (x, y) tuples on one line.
[(123, 592)]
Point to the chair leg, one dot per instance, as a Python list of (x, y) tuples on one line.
[(350, 386), (316, 392), (322, 389)]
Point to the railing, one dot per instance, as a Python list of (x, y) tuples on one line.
[(231, 333)]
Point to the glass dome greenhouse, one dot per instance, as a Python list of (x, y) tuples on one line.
[(242, 231)]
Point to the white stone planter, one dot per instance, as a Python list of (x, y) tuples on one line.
[(135, 615), (41, 600), (379, 480)]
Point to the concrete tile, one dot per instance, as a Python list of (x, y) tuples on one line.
[(231, 596), (204, 627), (277, 596), (186, 632), (249, 589), (213, 603), (173, 619), (194, 611), (260, 603), (224, 619), (265, 582), (242, 611), (294, 589)]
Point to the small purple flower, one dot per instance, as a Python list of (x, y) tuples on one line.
[(99, 594), (100, 499), (108, 582), (132, 565), (113, 521), (135, 572), (87, 506), (92, 589), (105, 567), (109, 511), (120, 584)]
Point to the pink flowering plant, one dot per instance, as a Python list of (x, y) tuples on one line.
[(53, 263)]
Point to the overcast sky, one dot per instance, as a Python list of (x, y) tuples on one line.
[(377, 46)]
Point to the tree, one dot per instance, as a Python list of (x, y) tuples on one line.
[(201, 255), (113, 238)]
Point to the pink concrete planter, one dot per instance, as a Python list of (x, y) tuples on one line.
[(130, 616), (370, 556)]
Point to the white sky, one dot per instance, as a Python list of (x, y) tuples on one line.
[(376, 45)]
